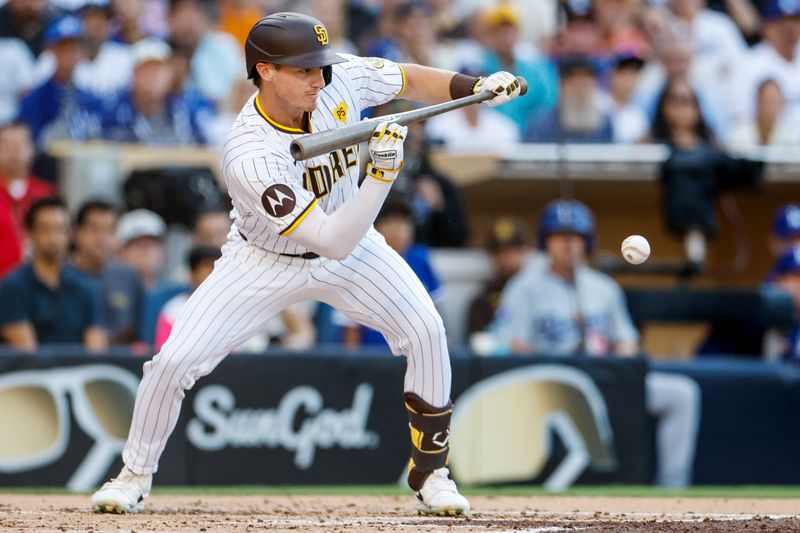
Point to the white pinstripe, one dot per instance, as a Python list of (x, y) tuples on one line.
[(252, 282)]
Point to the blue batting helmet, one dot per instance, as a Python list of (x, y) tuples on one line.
[(787, 221), (566, 216), (788, 262)]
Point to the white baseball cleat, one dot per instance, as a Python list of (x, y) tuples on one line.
[(123, 494), (439, 496)]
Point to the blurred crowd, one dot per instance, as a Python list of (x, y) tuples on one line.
[(725, 72), (699, 76)]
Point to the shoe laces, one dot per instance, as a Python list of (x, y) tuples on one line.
[(440, 480), (129, 480)]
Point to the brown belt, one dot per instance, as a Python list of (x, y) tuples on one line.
[(307, 255)]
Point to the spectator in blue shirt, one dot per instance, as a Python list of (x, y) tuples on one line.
[(57, 109), (120, 288), (47, 301), (506, 53), (396, 223), (149, 113)]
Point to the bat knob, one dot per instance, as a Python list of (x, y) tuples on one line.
[(523, 85)]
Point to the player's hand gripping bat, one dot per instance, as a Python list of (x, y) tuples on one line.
[(315, 144)]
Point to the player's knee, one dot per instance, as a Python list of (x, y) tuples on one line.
[(170, 370), (434, 330), (683, 393)]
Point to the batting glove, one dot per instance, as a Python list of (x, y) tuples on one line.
[(503, 84), (386, 151)]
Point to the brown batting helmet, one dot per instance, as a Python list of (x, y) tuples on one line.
[(290, 39)]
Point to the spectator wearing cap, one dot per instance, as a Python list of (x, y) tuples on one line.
[(216, 58), (26, 20), (579, 116), (105, 67), (776, 57), (475, 127), (785, 233), (628, 121), (149, 112), (508, 248), (501, 25), (787, 277), (770, 126), (396, 223), (19, 187), (58, 109), (15, 57), (46, 301), (140, 236), (119, 286)]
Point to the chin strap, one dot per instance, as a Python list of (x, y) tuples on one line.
[(430, 438)]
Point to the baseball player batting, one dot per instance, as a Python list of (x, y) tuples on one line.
[(303, 231)]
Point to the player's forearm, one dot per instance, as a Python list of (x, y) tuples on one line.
[(336, 235), (426, 84)]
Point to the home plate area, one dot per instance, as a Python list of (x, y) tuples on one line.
[(167, 513)]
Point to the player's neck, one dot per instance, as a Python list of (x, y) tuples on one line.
[(283, 115), (565, 272)]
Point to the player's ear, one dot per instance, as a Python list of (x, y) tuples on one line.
[(266, 70)]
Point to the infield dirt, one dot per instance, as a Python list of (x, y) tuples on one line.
[(208, 514)]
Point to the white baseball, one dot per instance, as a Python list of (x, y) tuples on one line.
[(635, 249)]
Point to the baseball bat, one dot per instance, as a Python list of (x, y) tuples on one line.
[(315, 144)]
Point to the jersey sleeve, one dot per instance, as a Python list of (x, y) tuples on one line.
[(375, 80), (267, 188)]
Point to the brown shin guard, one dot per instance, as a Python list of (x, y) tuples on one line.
[(430, 438)]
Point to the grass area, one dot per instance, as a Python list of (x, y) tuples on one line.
[(645, 491)]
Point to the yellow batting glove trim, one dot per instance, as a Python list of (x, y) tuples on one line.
[(383, 176)]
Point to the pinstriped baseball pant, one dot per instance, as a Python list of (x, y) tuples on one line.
[(374, 286)]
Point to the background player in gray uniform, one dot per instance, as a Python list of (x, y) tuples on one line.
[(303, 231), (564, 307)]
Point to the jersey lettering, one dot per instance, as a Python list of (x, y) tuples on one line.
[(320, 179)]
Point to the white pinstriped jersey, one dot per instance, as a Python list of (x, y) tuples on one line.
[(272, 192)]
